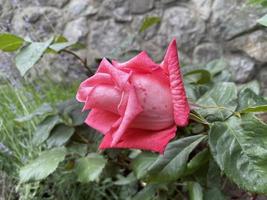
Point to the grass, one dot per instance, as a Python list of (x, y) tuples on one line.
[(16, 148)]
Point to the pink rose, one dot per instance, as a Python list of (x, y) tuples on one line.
[(136, 104)]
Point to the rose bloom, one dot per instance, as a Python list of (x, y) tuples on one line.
[(136, 104)]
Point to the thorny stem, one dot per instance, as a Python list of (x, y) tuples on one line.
[(82, 61)]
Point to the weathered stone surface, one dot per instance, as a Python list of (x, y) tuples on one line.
[(37, 23), (168, 1), (77, 29), (254, 44), (203, 7), (78, 8), (242, 67), (107, 37), (263, 79), (141, 6), (122, 15), (207, 52), (53, 3), (184, 25), (233, 17)]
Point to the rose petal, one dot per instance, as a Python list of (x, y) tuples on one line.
[(119, 77), (180, 103), (140, 63), (133, 108), (101, 120), (141, 139), (104, 97), (87, 85)]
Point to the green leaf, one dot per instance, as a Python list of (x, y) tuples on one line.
[(30, 55), (195, 191), (239, 146), (197, 161), (173, 164), (89, 168), (252, 85), (199, 76), (148, 22), (216, 66), (213, 193), (263, 20), (147, 193), (44, 110), (218, 103), (10, 42), (60, 46), (125, 180), (248, 101), (42, 166), (60, 135), (43, 129), (142, 163), (198, 118)]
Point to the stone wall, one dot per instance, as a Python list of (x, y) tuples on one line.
[(204, 29)]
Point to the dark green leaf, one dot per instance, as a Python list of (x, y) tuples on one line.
[(239, 146), (43, 130), (214, 193), (10, 42), (251, 102), (125, 180), (60, 135), (218, 103), (195, 191), (42, 166), (30, 55), (199, 76), (197, 161), (142, 163), (89, 168), (44, 110), (147, 193), (148, 22), (173, 164), (198, 118), (263, 20)]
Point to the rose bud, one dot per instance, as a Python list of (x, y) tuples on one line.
[(136, 104)]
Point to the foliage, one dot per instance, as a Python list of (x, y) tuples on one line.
[(55, 153)]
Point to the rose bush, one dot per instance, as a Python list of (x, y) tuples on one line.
[(138, 103)]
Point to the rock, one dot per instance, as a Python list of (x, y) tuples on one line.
[(122, 15), (82, 8), (184, 25), (141, 6), (254, 44), (203, 7), (263, 79), (38, 23), (242, 67), (77, 29), (231, 18), (168, 1), (207, 52), (53, 3), (151, 31), (108, 8), (108, 38)]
